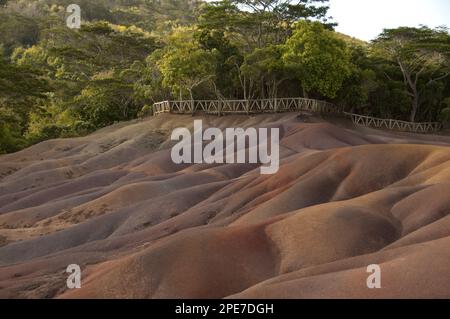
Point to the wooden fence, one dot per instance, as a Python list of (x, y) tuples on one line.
[(368, 121), (161, 107), (223, 107)]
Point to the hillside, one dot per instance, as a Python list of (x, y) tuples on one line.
[(140, 226)]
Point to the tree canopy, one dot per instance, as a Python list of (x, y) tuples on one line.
[(422, 56), (184, 65), (318, 58)]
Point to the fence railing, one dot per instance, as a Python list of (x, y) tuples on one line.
[(223, 107), (161, 107), (368, 121)]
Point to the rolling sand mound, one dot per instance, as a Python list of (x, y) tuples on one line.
[(141, 226)]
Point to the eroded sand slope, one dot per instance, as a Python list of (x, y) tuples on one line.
[(143, 227)]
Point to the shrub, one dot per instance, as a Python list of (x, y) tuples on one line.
[(147, 110)]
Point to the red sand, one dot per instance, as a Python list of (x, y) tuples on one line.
[(142, 227)]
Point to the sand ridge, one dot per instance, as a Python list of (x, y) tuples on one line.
[(142, 227)]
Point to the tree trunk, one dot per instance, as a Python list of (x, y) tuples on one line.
[(305, 93), (263, 90), (414, 107), (192, 101)]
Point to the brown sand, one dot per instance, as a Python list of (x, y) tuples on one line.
[(142, 227)]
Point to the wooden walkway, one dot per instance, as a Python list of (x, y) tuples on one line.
[(224, 107)]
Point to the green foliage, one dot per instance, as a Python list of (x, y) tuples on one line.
[(422, 57), (445, 115), (149, 85), (362, 81), (256, 24), (147, 110), (445, 112), (184, 65), (105, 101), (228, 60), (10, 135), (21, 87), (17, 30), (318, 58), (61, 82), (265, 69)]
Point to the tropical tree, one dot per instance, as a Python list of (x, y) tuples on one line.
[(17, 30), (318, 58), (421, 55), (229, 59), (184, 65), (259, 23), (21, 89), (361, 83), (265, 69)]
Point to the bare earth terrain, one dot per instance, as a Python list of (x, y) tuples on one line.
[(142, 227)]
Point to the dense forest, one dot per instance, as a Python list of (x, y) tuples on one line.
[(60, 82)]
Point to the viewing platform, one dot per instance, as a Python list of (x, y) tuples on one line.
[(262, 106)]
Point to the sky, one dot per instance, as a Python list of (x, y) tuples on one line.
[(365, 19)]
